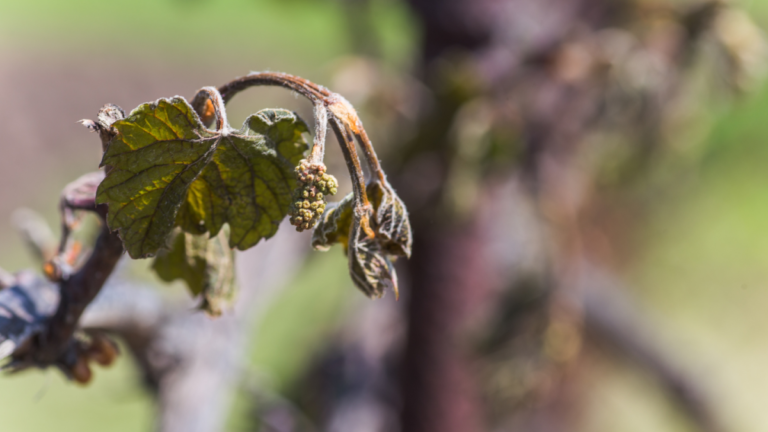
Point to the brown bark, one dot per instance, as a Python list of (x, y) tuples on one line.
[(448, 279)]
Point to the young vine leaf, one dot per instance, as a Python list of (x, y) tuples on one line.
[(165, 168)]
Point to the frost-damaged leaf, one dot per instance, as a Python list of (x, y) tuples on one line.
[(390, 222), (369, 263), (392, 226), (168, 169), (206, 265), (370, 268)]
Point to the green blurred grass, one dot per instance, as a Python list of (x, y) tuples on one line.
[(702, 275), (291, 32), (309, 310), (41, 401), (298, 323)]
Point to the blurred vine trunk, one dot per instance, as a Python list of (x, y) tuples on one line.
[(491, 342)]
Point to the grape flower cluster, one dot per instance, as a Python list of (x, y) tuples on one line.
[(309, 197)]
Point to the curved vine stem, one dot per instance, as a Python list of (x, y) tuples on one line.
[(328, 106), (370, 154), (315, 93), (321, 128), (363, 208), (341, 109), (304, 87)]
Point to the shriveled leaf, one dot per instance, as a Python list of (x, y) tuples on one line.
[(370, 268), (392, 226), (369, 258), (168, 169), (206, 265), (335, 225), (390, 222)]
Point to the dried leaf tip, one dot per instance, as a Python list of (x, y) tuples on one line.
[(90, 124), (108, 114)]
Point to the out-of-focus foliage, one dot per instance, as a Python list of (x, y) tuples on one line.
[(206, 265)]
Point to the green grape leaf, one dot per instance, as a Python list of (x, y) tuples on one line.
[(370, 265), (206, 265), (166, 169)]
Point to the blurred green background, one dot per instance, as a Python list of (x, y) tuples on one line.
[(704, 253)]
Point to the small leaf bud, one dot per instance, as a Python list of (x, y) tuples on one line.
[(81, 372)]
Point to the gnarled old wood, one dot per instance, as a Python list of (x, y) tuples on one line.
[(25, 308)]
